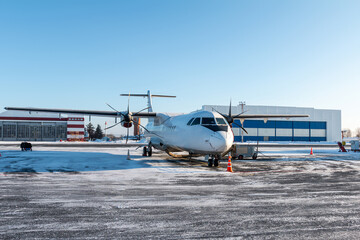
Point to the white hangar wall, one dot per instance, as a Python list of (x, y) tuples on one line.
[(322, 125)]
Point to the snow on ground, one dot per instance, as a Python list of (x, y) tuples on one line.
[(78, 159), (63, 161), (95, 192), (303, 153)]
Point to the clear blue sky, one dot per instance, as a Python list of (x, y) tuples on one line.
[(81, 54)]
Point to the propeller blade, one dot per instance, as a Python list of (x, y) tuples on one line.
[(111, 107), (240, 127), (118, 112), (136, 122), (141, 111), (244, 130), (220, 113), (113, 125), (240, 114), (228, 118), (146, 129)]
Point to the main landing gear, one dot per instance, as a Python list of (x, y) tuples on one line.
[(213, 160), (147, 151)]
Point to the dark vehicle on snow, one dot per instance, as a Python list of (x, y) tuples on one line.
[(26, 146)]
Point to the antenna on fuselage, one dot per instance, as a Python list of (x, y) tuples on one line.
[(149, 98)]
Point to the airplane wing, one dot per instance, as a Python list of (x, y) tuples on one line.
[(246, 116), (82, 112)]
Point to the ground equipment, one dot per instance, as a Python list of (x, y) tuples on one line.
[(241, 151)]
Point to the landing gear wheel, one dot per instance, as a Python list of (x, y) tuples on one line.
[(254, 156), (149, 152), (216, 163), (240, 157), (145, 152), (210, 162)]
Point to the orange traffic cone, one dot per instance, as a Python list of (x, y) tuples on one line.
[(229, 167), (311, 152)]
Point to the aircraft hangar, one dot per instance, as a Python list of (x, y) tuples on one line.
[(322, 125), (26, 126)]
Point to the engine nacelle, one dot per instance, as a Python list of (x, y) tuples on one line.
[(127, 124)]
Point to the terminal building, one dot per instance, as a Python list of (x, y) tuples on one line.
[(26, 126), (322, 125)]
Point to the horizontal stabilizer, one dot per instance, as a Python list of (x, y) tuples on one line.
[(146, 95)]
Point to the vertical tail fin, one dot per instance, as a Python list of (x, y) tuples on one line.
[(149, 98)]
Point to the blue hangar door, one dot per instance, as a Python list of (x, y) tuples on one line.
[(277, 130)]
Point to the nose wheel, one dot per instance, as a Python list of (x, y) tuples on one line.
[(147, 151), (213, 161), (210, 162)]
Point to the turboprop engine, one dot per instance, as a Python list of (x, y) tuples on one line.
[(126, 124), (127, 120)]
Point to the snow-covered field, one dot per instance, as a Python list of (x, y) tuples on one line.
[(87, 193), (66, 160), (303, 153), (78, 159)]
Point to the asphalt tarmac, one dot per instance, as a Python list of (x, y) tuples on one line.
[(292, 197)]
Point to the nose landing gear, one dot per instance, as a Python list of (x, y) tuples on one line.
[(213, 161), (147, 151)]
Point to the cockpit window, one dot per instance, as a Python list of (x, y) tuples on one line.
[(208, 121), (220, 121), (196, 121), (190, 121)]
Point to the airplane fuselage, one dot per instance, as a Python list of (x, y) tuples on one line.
[(201, 132)]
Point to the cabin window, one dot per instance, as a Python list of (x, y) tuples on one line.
[(220, 121), (157, 121), (208, 121), (190, 121), (196, 121)]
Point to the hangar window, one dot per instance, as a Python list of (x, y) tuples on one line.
[(9, 131), (61, 131), (35, 131), (49, 131), (23, 131), (220, 121), (208, 121), (190, 121), (196, 121)]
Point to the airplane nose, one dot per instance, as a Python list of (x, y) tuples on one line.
[(219, 142)]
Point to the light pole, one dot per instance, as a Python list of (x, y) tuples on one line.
[(242, 104)]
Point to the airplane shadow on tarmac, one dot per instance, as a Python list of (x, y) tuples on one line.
[(59, 161)]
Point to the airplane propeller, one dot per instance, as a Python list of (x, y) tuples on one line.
[(230, 119), (127, 119)]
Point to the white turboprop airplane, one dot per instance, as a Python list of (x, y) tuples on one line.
[(198, 133)]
